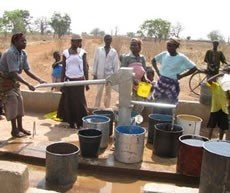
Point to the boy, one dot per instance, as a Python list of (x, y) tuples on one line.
[(219, 107), (57, 68)]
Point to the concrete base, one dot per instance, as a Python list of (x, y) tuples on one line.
[(14, 177), (48, 101)]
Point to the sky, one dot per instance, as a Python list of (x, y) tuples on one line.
[(198, 17)]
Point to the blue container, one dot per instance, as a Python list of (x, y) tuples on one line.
[(155, 119), (101, 123), (129, 144)]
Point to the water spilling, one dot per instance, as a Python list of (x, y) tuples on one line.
[(173, 118)]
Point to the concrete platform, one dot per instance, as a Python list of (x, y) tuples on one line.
[(49, 131)]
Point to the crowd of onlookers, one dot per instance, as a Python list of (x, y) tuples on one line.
[(72, 65)]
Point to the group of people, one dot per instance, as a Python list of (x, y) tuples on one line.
[(169, 65)]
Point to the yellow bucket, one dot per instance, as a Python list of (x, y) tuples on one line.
[(143, 89)]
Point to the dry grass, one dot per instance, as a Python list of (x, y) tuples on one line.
[(40, 49)]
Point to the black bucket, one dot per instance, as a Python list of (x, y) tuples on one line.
[(108, 114), (61, 163), (166, 139), (90, 140), (155, 119), (215, 169)]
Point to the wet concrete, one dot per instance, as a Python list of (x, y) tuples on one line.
[(105, 183), (133, 176)]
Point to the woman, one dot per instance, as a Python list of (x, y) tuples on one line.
[(174, 66), (72, 106), (137, 61), (13, 62)]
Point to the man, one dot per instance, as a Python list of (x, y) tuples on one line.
[(106, 63), (12, 63), (213, 58)]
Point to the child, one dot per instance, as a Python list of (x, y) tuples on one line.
[(150, 76), (219, 107), (57, 68)]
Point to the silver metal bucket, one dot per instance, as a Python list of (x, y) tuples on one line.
[(101, 123), (62, 163), (129, 144)]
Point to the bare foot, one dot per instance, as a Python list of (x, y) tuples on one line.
[(26, 132)]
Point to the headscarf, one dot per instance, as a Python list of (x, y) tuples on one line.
[(174, 41)]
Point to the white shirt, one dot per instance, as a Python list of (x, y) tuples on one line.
[(105, 65), (74, 64)]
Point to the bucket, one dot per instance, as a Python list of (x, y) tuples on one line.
[(109, 114), (61, 163), (155, 119), (215, 169), (143, 89), (205, 94), (101, 123), (90, 140), (166, 139), (129, 144), (190, 123), (190, 154)]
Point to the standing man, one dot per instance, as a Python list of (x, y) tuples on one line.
[(12, 63), (106, 63), (213, 58)]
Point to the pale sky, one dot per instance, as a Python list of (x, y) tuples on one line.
[(198, 17)]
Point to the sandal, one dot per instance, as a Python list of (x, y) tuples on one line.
[(17, 134), (26, 132)]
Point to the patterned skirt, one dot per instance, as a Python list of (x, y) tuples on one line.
[(167, 90)]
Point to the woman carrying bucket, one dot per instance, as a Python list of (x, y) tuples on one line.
[(173, 67)]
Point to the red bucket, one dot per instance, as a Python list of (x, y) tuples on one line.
[(190, 154)]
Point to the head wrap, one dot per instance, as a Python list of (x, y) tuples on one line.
[(138, 41), (174, 41), (76, 37)]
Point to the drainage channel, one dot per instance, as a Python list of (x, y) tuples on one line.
[(101, 180)]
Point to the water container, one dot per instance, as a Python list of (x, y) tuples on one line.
[(155, 119), (101, 123), (61, 163), (215, 169), (90, 140), (205, 94), (190, 154), (143, 89), (109, 114), (190, 123), (129, 144), (166, 139)]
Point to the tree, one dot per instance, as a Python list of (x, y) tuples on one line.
[(60, 24), (16, 21), (41, 24), (157, 28), (131, 34), (97, 32), (176, 30), (215, 35)]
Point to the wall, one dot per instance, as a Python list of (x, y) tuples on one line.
[(45, 102)]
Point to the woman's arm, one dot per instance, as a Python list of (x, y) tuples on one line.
[(63, 68), (33, 76), (187, 73), (154, 63)]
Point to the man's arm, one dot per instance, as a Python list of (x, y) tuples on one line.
[(95, 64), (63, 68)]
